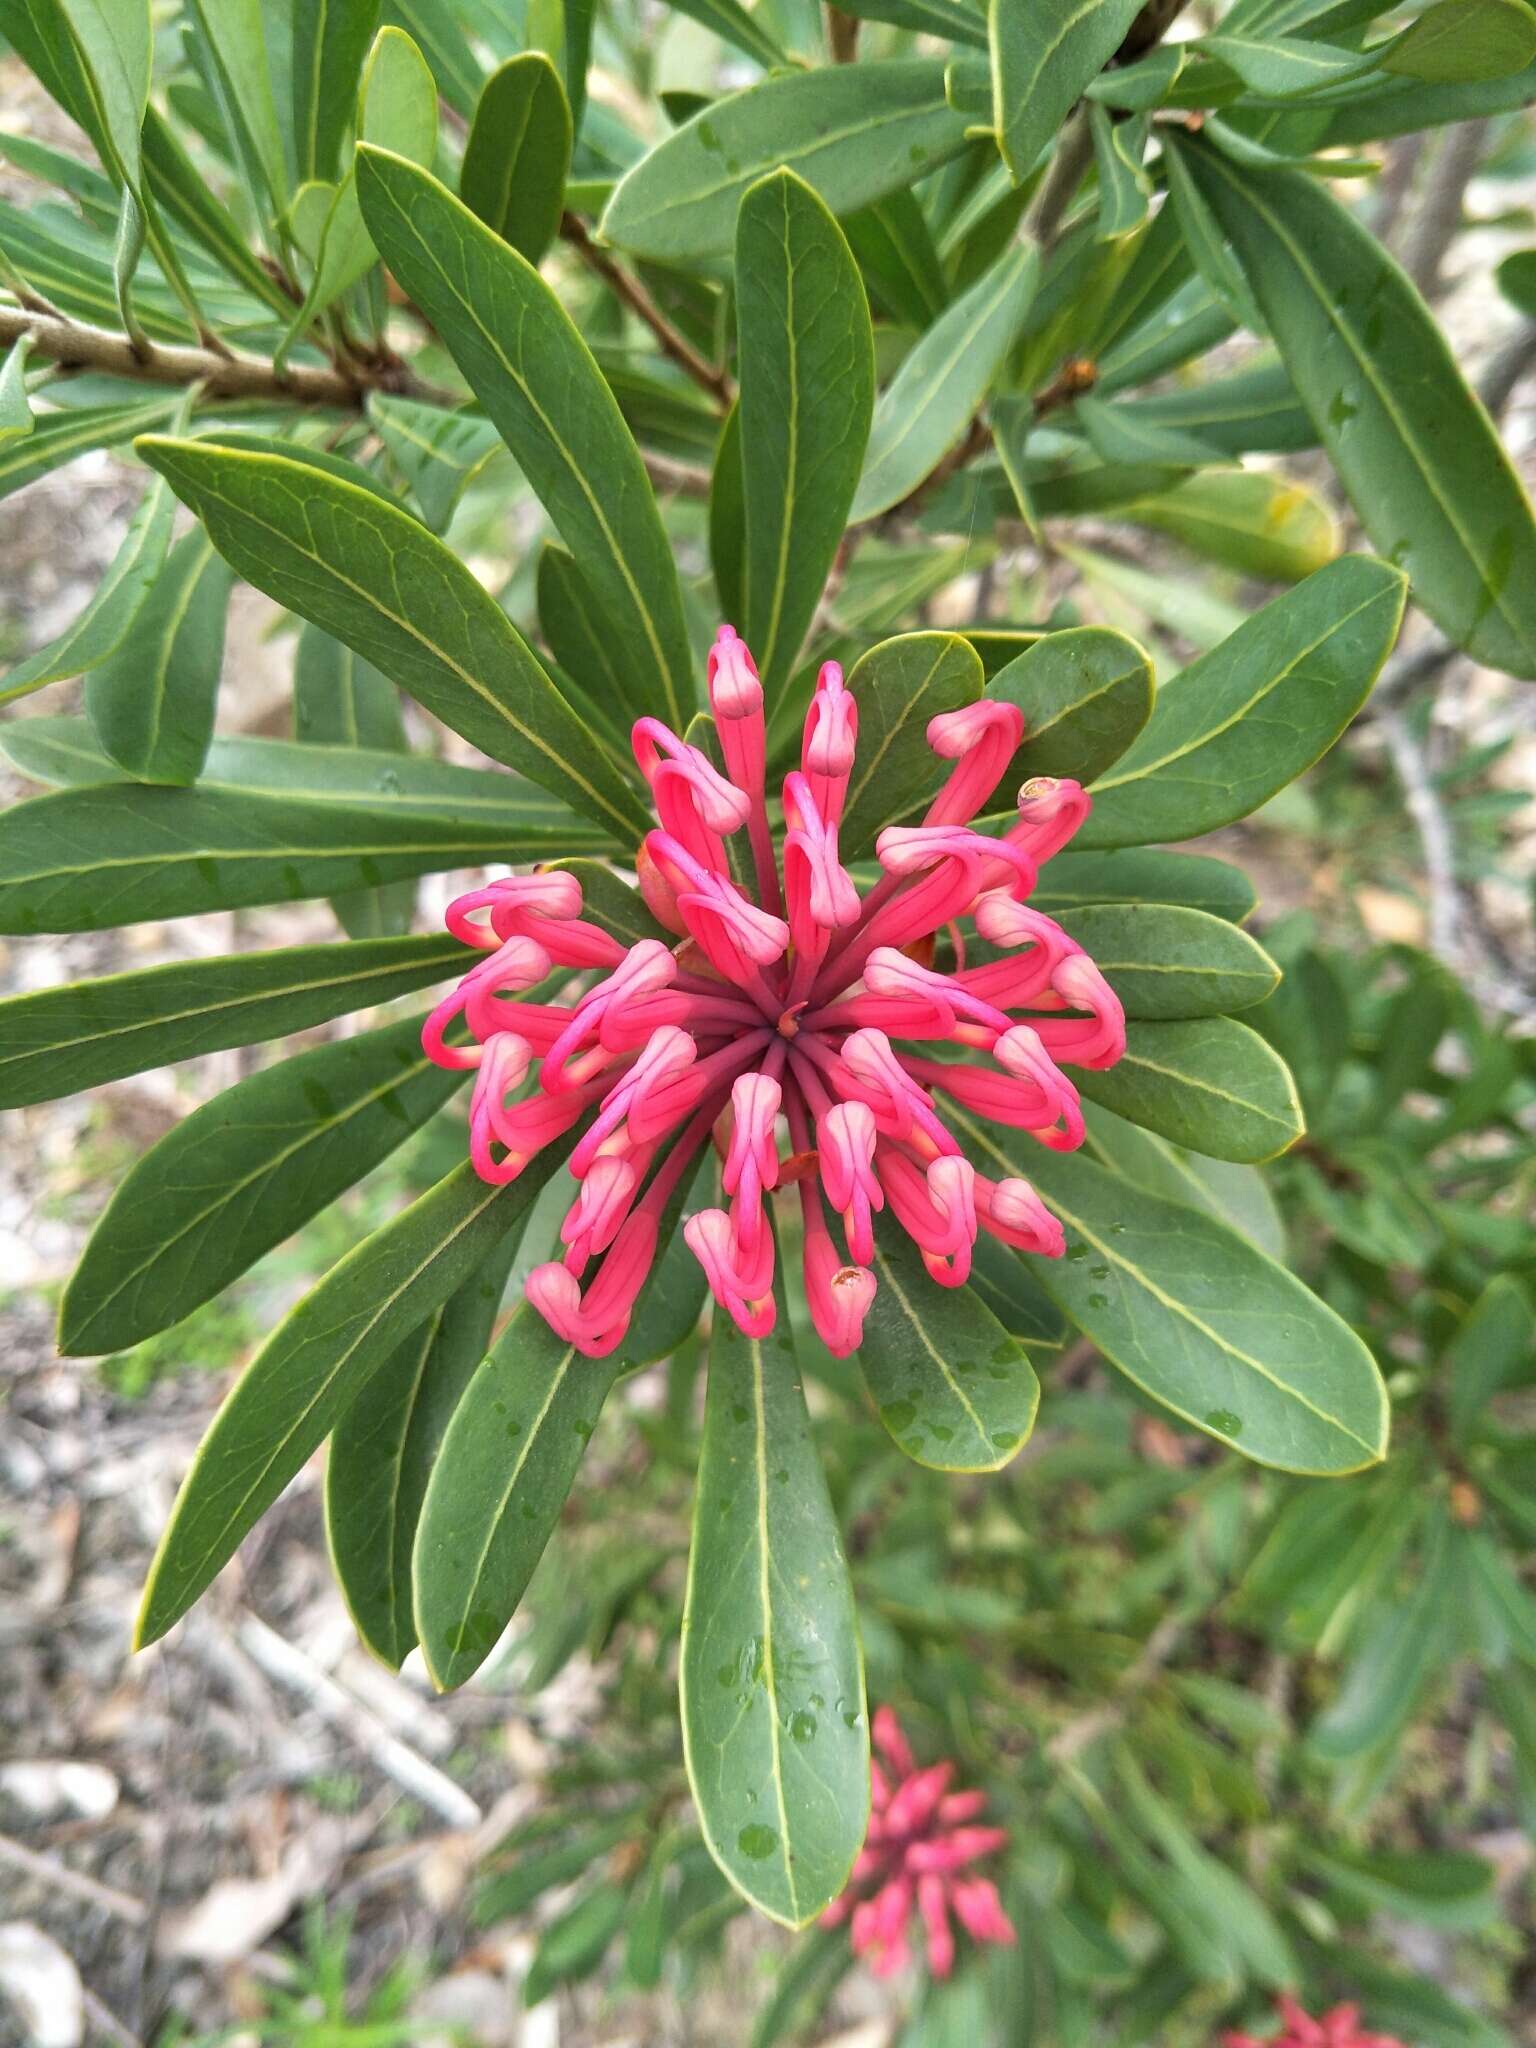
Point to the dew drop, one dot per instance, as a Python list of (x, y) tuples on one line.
[(1224, 1420), (802, 1725), (757, 1841), (898, 1415)]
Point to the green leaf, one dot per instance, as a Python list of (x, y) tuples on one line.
[(1386, 107), (1207, 1082), (1279, 67), (178, 189), (807, 370), (1203, 238), (728, 518), (242, 1173), (1044, 52), (1119, 435), (118, 600), (330, 43), (503, 1471), (1494, 1349), (1253, 410), (1247, 718), (1143, 85), (340, 700), (1085, 693), (518, 154), (115, 45), (1166, 962), (895, 249), (733, 24), (382, 1452), (15, 410), (1402, 1648), (1254, 521), (536, 379), (1118, 147), (397, 109), (1144, 875), (775, 1732), (854, 132), (235, 39), (898, 686), (375, 578), (950, 19), (151, 703), (1435, 1887), (86, 859), (1464, 41), (575, 1942), (1416, 452), (64, 750), (1202, 1322), (954, 1388), (589, 656), (439, 453), (315, 1365), (1238, 1196), (1516, 279), (61, 1040), (930, 402)]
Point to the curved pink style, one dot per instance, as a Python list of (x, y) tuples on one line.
[(787, 1002), (917, 1857)]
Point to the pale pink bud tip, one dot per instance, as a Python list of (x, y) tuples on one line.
[(731, 673)]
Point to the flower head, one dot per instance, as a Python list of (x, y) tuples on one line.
[(921, 1844), (788, 1000), (1337, 2029)]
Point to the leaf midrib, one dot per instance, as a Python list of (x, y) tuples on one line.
[(232, 1190), (1175, 1307), (1383, 395), (557, 441), (327, 1381), (429, 646), (1141, 770), (357, 976)]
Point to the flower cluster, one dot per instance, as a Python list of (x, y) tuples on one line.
[(784, 995), (920, 1843), (1337, 2029)]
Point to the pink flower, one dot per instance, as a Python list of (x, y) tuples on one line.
[(1337, 2029), (796, 1002), (921, 1842)]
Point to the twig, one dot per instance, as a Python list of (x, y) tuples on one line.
[(1043, 217), (1437, 218), (1423, 805), (1070, 1741), (76, 346), (107, 2022), (289, 1666), (59, 1875), (709, 376), (842, 35)]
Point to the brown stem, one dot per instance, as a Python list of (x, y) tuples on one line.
[(1069, 160), (74, 346), (1437, 221), (634, 295), (842, 35)]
